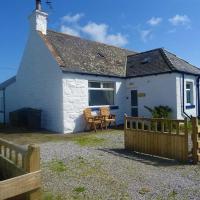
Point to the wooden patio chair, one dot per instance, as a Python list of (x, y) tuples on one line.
[(92, 121), (108, 118)]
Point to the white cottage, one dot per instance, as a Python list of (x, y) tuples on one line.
[(62, 75)]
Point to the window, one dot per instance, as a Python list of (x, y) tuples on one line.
[(101, 93), (189, 93)]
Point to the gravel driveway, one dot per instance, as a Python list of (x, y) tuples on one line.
[(100, 168)]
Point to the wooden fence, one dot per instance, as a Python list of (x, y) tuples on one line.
[(22, 168), (160, 137), (195, 140)]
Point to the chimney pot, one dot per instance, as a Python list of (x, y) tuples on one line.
[(38, 5)]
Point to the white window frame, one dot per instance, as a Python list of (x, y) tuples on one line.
[(102, 88), (191, 90)]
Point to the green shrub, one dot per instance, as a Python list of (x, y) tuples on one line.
[(160, 111)]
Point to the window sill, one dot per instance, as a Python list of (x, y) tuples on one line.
[(190, 106), (97, 108)]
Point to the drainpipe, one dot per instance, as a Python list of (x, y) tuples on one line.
[(198, 103), (4, 106), (183, 95)]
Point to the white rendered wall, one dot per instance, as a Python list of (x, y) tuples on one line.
[(75, 97), (158, 90), (179, 86), (38, 85)]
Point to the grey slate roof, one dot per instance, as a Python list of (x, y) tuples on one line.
[(7, 82), (79, 55), (157, 61), (74, 54), (180, 64)]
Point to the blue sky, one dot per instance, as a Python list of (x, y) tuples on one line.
[(135, 24)]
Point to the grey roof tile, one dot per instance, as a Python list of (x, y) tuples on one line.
[(180, 64), (80, 55), (157, 61), (146, 63), (75, 54)]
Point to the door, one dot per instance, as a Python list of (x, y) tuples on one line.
[(134, 103)]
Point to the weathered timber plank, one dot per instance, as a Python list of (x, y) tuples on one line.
[(19, 185)]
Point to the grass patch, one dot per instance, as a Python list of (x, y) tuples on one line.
[(22, 136), (143, 191), (79, 189), (50, 196), (172, 195), (57, 166), (90, 140)]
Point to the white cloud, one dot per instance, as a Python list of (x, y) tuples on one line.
[(70, 31), (146, 35), (180, 20), (99, 33), (154, 21), (72, 18), (96, 31), (117, 40)]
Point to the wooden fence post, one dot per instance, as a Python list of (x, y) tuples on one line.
[(194, 139), (125, 127), (33, 164), (186, 139), (125, 122)]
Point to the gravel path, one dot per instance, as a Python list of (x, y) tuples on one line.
[(105, 171)]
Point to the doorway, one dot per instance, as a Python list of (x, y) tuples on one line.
[(134, 103)]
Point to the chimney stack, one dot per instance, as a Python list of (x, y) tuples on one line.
[(38, 19)]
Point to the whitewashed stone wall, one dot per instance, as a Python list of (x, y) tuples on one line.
[(75, 98), (38, 85)]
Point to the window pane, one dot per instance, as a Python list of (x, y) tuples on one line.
[(94, 85), (188, 86), (101, 97), (188, 96), (108, 85)]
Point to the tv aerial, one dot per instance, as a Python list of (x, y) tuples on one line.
[(39, 4)]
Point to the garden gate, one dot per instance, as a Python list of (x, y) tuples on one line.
[(162, 137)]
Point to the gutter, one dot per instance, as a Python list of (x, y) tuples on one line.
[(126, 77)]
